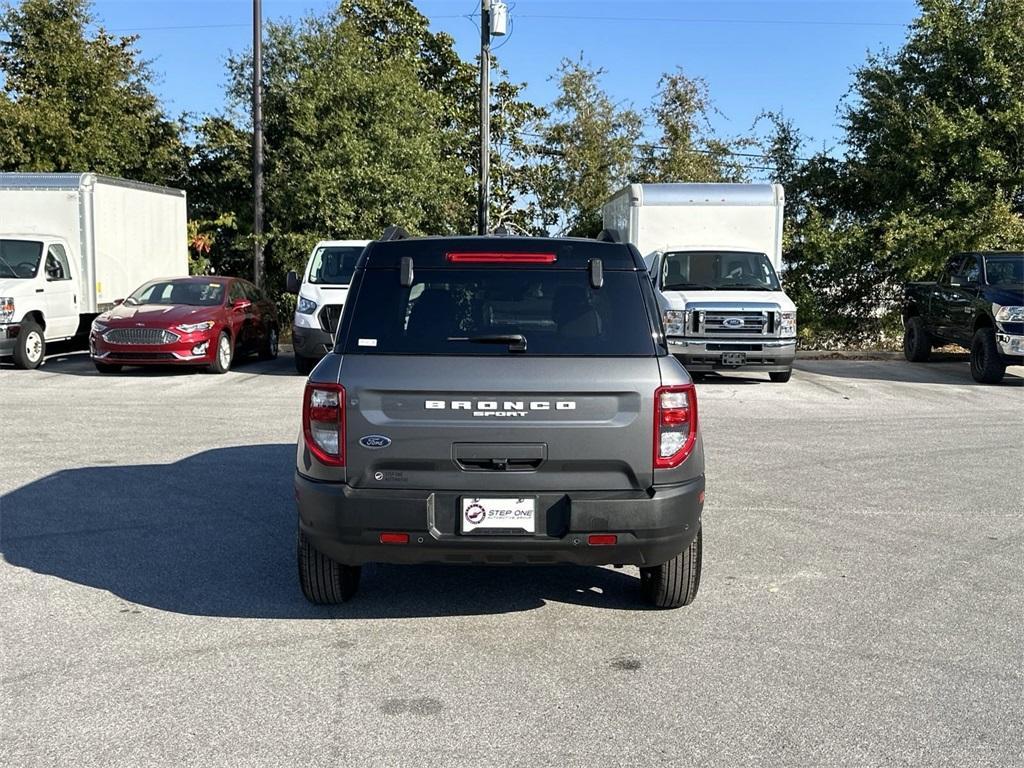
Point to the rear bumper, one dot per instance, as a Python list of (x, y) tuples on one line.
[(312, 343), (345, 524), (761, 354)]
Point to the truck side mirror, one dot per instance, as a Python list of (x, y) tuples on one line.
[(292, 282)]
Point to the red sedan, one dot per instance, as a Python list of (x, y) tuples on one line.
[(186, 321)]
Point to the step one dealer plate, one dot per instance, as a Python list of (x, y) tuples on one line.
[(503, 514)]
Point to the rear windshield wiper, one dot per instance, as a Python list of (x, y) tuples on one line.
[(516, 341)]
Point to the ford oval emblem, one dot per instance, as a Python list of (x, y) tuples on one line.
[(733, 322), (374, 442)]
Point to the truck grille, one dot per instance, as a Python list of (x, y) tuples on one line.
[(140, 336), (329, 317), (733, 323)]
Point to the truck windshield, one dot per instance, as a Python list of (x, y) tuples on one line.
[(500, 312), (19, 259), (717, 271), (1005, 269), (334, 265)]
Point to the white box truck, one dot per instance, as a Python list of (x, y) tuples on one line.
[(71, 245), (714, 252)]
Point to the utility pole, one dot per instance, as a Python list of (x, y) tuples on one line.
[(485, 115), (257, 142), (493, 21)]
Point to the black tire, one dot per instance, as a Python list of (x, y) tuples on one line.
[(675, 583), (780, 377), (917, 342), (30, 346), (222, 355), (107, 367), (323, 581), (987, 364), (270, 347), (305, 365)]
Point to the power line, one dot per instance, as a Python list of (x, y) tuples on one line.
[(678, 20)]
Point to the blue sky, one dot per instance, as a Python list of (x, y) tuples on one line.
[(791, 56)]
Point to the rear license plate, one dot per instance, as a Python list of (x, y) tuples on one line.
[(501, 514), (734, 358)]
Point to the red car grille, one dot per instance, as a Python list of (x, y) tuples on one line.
[(140, 336)]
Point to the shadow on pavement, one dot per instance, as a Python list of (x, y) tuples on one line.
[(72, 359), (214, 535), (947, 369)]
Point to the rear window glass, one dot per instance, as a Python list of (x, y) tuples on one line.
[(451, 312)]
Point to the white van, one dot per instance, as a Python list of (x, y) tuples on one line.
[(714, 252), (321, 295)]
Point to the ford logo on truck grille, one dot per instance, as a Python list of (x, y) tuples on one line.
[(733, 322), (374, 441)]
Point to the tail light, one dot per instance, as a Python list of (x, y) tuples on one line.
[(323, 422), (675, 425)]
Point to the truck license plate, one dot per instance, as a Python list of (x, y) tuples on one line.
[(734, 358), (504, 514)]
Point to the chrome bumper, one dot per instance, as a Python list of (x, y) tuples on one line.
[(705, 354), (1010, 345)]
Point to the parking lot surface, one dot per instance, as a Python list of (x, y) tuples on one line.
[(861, 602)]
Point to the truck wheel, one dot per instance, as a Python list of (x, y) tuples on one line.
[(305, 365), (222, 356), (30, 347), (676, 582), (987, 365), (917, 342), (107, 367), (270, 346), (325, 582), (780, 377)]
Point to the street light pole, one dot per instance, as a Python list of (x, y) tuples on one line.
[(257, 142), (485, 115)]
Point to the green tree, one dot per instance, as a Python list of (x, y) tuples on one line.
[(589, 143), (688, 150), (71, 100)]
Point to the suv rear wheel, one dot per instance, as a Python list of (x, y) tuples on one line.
[(987, 365), (324, 582), (676, 582)]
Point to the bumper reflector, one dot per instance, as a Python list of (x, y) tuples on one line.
[(394, 538), (602, 539)]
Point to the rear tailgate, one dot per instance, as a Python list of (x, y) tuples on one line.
[(499, 423)]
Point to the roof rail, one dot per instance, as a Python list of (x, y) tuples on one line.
[(609, 236), (394, 232)]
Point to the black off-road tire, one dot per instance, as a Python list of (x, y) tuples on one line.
[(917, 342), (30, 346), (270, 347), (305, 365), (323, 581), (987, 364), (675, 583), (107, 367), (780, 377)]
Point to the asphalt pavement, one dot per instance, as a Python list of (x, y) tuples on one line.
[(862, 600)]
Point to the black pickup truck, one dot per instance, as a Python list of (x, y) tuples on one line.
[(978, 303)]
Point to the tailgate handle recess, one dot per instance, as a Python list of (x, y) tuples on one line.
[(499, 457)]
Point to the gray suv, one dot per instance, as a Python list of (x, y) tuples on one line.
[(500, 400)]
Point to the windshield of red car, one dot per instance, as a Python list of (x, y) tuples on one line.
[(188, 292)]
